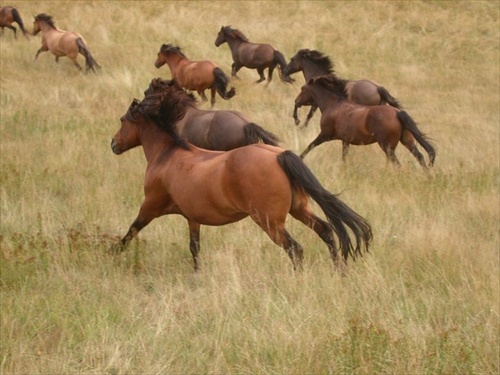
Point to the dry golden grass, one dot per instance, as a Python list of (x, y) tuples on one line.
[(425, 300)]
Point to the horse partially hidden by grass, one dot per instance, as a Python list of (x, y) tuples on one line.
[(62, 43), (252, 55), (313, 63), (217, 188), (194, 75), (209, 129), (9, 15), (359, 124)]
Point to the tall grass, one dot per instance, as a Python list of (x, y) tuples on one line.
[(426, 298)]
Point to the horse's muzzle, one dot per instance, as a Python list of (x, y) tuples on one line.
[(115, 148)]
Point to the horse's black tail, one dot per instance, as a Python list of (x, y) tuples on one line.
[(409, 124), (89, 60), (255, 134), (221, 81), (385, 97), (280, 60), (17, 18), (339, 215)]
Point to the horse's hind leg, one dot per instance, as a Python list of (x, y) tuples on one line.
[(391, 155), (345, 150), (194, 242), (261, 75), (202, 95), (213, 91), (270, 74), (408, 141)]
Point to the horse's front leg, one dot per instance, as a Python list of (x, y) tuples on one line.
[(295, 114), (321, 138), (345, 150), (40, 50), (261, 75), (313, 109), (234, 69), (137, 225), (202, 95), (194, 242)]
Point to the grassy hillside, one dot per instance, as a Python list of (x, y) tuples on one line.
[(424, 300)]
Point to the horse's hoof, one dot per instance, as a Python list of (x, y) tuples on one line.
[(116, 249)]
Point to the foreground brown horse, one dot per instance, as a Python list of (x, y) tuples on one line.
[(252, 55), (194, 75), (209, 129), (358, 124), (62, 43), (363, 91), (218, 188), (9, 15)]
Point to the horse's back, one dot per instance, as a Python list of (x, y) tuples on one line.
[(363, 91), (254, 55)]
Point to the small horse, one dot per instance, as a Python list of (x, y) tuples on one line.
[(359, 124), (222, 187), (314, 63), (252, 55), (8, 15), (209, 129), (62, 43), (194, 75)]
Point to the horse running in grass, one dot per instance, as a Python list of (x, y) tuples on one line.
[(362, 91), (194, 75), (359, 124), (221, 187), (252, 55), (9, 15), (62, 43), (209, 129)]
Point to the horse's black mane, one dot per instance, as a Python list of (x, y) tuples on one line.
[(166, 48), (46, 18), (319, 58), (331, 83), (228, 30), (165, 103)]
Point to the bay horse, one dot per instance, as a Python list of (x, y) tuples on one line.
[(359, 124), (313, 63), (194, 75), (62, 43), (252, 55), (9, 15), (220, 130), (221, 187)]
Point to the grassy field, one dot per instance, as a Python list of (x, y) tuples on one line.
[(425, 300)]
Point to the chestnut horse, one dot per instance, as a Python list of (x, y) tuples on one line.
[(209, 129), (222, 187), (359, 124), (9, 15), (252, 55), (62, 43), (194, 75), (313, 63)]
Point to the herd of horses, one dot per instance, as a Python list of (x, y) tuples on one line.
[(216, 167)]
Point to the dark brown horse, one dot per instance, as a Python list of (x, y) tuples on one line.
[(359, 124), (194, 75), (9, 15), (62, 43), (222, 187), (363, 91), (252, 55), (209, 129)]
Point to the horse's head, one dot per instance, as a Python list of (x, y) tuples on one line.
[(221, 37), (42, 18), (294, 66), (305, 97), (165, 51), (128, 135)]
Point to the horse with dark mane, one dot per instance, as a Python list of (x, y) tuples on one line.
[(252, 55), (313, 63), (9, 15), (359, 124), (62, 43), (194, 75), (209, 129), (222, 187)]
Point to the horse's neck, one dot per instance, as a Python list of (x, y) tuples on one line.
[(310, 69), (325, 99), (47, 29), (154, 141), (234, 43), (176, 61)]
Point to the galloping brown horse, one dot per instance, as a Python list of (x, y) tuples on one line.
[(194, 75), (217, 188), (313, 63), (252, 55), (209, 129), (358, 124), (9, 15), (61, 42)]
